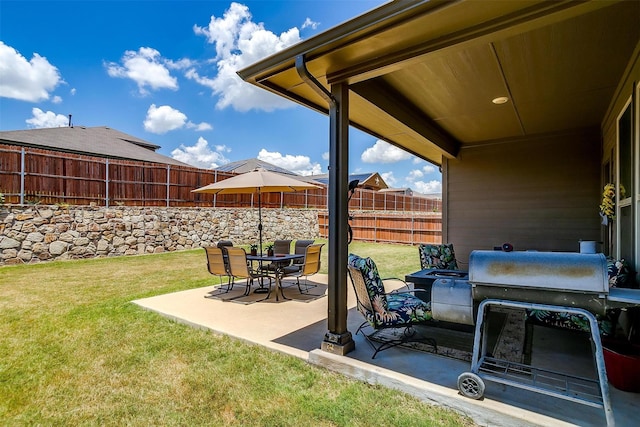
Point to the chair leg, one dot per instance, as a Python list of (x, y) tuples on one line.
[(379, 345), (306, 284)]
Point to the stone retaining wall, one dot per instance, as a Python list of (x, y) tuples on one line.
[(40, 233)]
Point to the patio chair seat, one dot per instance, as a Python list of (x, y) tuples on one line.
[(383, 310)]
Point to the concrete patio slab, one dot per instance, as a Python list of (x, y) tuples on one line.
[(296, 327)]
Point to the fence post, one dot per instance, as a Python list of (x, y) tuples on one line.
[(168, 177), (106, 184), (215, 179), (22, 173)]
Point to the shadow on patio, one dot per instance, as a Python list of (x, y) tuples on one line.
[(297, 327)]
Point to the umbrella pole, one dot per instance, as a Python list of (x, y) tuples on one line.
[(260, 220)]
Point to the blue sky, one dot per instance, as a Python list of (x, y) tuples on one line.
[(165, 71)]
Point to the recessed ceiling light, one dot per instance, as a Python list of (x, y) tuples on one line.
[(500, 100)]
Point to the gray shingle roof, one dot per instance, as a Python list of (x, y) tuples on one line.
[(94, 141), (247, 165)]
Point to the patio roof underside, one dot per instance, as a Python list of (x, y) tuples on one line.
[(422, 75)]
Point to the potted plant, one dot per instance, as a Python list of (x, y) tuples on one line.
[(254, 249), (270, 250)]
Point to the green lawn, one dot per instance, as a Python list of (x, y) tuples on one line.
[(75, 351)]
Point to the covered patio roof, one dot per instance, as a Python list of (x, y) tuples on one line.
[(428, 77), (422, 75)]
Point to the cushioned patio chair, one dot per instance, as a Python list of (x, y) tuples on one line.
[(239, 268), (309, 267), (397, 310), (217, 267), (441, 257)]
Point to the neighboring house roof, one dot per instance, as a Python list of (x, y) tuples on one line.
[(370, 180), (92, 141), (422, 74), (247, 165)]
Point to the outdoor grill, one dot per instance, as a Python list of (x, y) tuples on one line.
[(565, 279), (562, 282)]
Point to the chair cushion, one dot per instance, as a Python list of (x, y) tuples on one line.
[(369, 271), (394, 309), (440, 257), (620, 274)]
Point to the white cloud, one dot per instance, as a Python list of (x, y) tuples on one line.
[(308, 23), (49, 119), (73, 91), (414, 175), (240, 42), (301, 165), (326, 156), (145, 67), (24, 80), (200, 155), (200, 127), (56, 99), (383, 152), (389, 178), (163, 119), (431, 187)]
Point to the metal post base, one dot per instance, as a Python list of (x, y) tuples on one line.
[(339, 344)]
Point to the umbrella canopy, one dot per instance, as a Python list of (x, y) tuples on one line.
[(257, 181)]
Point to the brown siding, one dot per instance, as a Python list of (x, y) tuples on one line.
[(537, 194)]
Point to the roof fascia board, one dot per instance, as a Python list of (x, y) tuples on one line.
[(384, 97), (527, 19), (342, 34)]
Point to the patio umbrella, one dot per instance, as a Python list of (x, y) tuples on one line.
[(257, 181)]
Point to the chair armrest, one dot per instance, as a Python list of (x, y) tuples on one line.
[(400, 289)]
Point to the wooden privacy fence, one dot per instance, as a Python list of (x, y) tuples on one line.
[(390, 227), (32, 176)]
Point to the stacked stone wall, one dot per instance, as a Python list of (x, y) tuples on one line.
[(43, 233)]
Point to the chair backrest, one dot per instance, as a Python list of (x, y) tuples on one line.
[(440, 257), (312, 259), (224, 244), (368, 287), (215, 261), (238, 262), (282, 246), (300, 248)]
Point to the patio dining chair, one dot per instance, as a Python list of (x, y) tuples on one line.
[(217, 267), (240, 268), (309, 267), (382, 310), (299, 248), (279, 247), (441, 257), (224, 244)]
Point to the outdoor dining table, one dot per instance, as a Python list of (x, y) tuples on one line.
[(280, 261)]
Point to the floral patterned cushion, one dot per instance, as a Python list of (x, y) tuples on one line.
[(620, 274), (441, 257), (569, 321), (389, 310)]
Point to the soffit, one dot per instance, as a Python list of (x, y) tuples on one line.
[(423, 79)]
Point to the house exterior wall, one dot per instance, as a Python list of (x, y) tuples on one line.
[(540, 193)]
